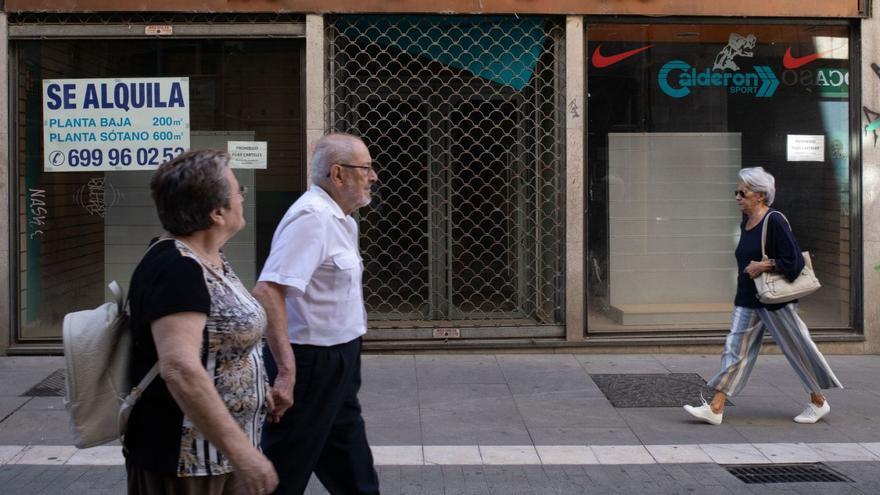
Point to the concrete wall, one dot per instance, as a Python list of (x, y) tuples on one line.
[(871, 180), (4, 186)]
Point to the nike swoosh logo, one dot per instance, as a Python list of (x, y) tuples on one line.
[(600, 61), (789, 61)]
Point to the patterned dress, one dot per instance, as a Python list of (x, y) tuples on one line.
[(232, 355)]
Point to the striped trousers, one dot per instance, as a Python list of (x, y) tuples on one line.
[(791, 335)]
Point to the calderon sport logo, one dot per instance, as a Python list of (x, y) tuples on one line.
[(676, 78)]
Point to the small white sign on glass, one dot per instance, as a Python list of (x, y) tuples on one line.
[(247, 154), (805, 148)]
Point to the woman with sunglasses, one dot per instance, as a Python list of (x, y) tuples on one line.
[(754, 195)]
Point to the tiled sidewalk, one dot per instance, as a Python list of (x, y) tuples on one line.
[(510, 420)]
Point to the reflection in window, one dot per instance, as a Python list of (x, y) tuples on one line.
[(674, 112), (80, 230)]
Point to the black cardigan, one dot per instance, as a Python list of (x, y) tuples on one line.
[(781, 246)]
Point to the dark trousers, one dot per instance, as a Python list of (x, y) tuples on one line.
[(323, 432)]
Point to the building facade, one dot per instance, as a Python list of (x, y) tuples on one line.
[(553, 175)]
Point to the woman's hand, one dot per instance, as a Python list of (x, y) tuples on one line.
[(756, 268), (178, 340), (255, 476)]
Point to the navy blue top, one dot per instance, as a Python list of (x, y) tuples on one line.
[(781, 246)]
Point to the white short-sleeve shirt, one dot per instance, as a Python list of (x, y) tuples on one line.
[(315, 255)]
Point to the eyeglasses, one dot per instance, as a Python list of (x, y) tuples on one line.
[(243, 190), (368, 167), (737, 192)]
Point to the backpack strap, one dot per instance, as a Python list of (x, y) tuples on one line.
[(118, 296), (138, 389)]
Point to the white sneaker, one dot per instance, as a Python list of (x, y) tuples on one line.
[(813, 413), (705, 413)]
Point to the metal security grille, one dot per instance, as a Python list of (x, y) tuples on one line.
[(787, 473), (465, 117)]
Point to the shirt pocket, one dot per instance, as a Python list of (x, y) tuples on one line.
[(347, 275)]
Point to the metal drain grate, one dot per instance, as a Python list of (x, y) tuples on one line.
[(787, 473), (652, 390), (51, 386)]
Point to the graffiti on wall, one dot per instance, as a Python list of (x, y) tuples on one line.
[(96, 196), (872, 116), (38, 211)]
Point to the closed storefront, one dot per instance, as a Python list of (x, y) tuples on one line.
[(551, 176), (675, 111), (98, 106)]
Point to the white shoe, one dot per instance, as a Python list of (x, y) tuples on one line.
[(705, 413), (813, 413)]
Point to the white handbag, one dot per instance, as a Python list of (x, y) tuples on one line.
[(775, 288)]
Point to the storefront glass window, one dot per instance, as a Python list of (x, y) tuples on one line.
[(78, 231), (675, 110)]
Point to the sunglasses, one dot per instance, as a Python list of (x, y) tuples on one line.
[(737, 192)]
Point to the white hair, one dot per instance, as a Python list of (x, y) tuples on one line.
[(330, 149), (759, 181)]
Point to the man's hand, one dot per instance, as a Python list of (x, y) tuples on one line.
[(254, 476), (281, 396), (271, 296)]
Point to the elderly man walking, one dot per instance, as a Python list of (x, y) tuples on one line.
[(311, 289)]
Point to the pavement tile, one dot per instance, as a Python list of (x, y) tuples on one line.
[(835, 452), (562, 409), (735, 454), (389, 370), (42, 427), (380, 398), (788, 452), (404, 417), (98, 456), (475, 421), (621, 363), (44, 403), (678, 454), (855, 430), (393, 435), (431, 369), (538, 363), (873, 447), (42, 364), (762, 410), (17, 382), (402, 455), (672, 425), (509, 454), (622, 454), (583, 436), (790, 432), (8, 452), (44, 454), (452, 454), (566, 454), (532, 383), (452, 393), (9, 405)]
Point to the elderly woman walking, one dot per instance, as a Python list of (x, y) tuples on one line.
[(754, 196), (197, 430)]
